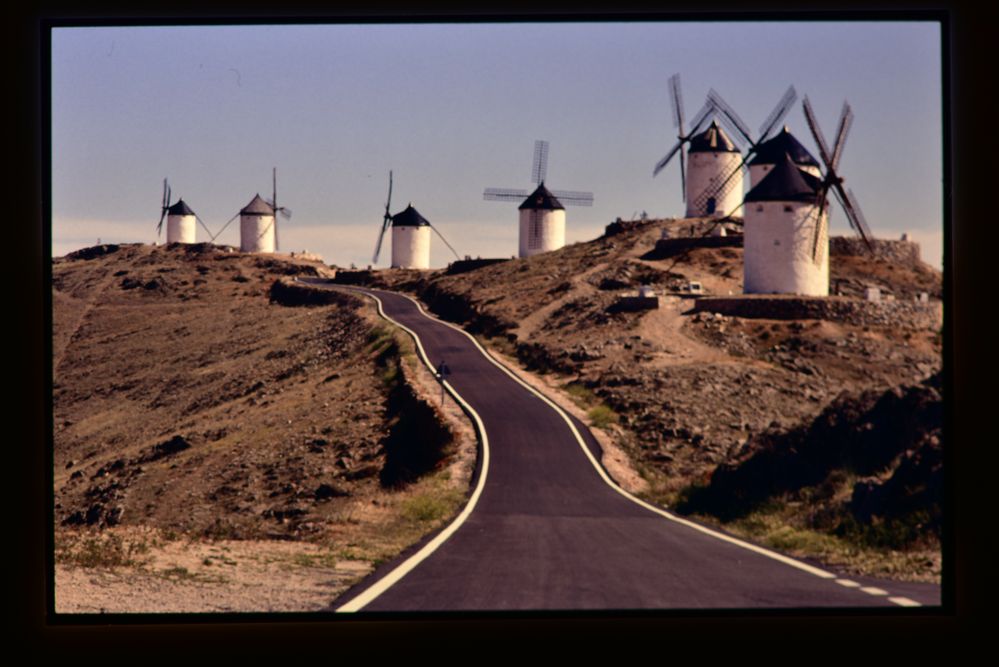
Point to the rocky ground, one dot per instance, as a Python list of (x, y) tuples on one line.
[(686, 392), (194, 415)]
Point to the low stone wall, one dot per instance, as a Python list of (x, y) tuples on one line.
[(289, 292), (897, 252), (905, 314), (669, 247), (465, 265)]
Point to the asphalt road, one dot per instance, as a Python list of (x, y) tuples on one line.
[(547, 532)]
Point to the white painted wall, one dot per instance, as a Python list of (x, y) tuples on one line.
[(181, 228), (541, 231), (778, 250), (702, 169), (256, 233), (411, 247), (758, 171)]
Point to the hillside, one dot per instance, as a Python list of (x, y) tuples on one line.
[(195, 418), (682, 391)]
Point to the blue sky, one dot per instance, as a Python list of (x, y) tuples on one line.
[(455, 108)]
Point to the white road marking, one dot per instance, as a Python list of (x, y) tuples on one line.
[(872, 590), (848, 583), (905, 602), (406, 566)]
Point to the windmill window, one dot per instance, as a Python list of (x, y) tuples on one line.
[(759, 208), (787, 208)]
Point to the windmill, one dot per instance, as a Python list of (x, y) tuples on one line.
[(833, 181), (683, 138), (410, 236), (180, 219), (285, 212), (726, 181), (542, 212)]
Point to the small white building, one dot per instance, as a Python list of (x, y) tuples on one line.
[(779, 235), (771, 153), (712, 158), (542, 223), (256, 226), (410, 240), (181, 223)]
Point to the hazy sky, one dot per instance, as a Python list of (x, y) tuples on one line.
[(453, 109)]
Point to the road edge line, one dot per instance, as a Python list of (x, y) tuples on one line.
[(391, 578)]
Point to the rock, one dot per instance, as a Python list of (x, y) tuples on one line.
[(328, 491)]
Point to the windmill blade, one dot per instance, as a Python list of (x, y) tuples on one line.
[(820, 231), (388, 201), (159, 227), (277, 242), (386, 222), (228, 222), (165, 201), (204, 226), (683, 173), (540, 167), (845, 121), (666, 158), (677, 99), (733, 131), (701, 117), (437, 231), (853, 214), (504, 194), (573, 197), (285, 212), (727, 111), (777, 115), (813, 125)]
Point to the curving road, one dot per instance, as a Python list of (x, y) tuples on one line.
[(545, 529)]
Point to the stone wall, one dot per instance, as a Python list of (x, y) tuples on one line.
[(465, 265), (669, 247), (905, 314), (898, 252)]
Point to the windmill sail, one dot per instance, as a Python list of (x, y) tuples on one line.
[(832, 180), (386, 222)]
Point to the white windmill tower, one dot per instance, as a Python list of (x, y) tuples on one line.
[(786, 243), (258, 229), (181, 220), (713, 156), (542, 213), (256, 226), (410, 236)]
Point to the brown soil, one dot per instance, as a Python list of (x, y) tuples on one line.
[(186, 402)]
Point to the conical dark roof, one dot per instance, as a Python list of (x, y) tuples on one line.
[(785, 182), (542, 199), (257, 206), (712, 140), (409, 217), (180, 208), (772, 150)]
